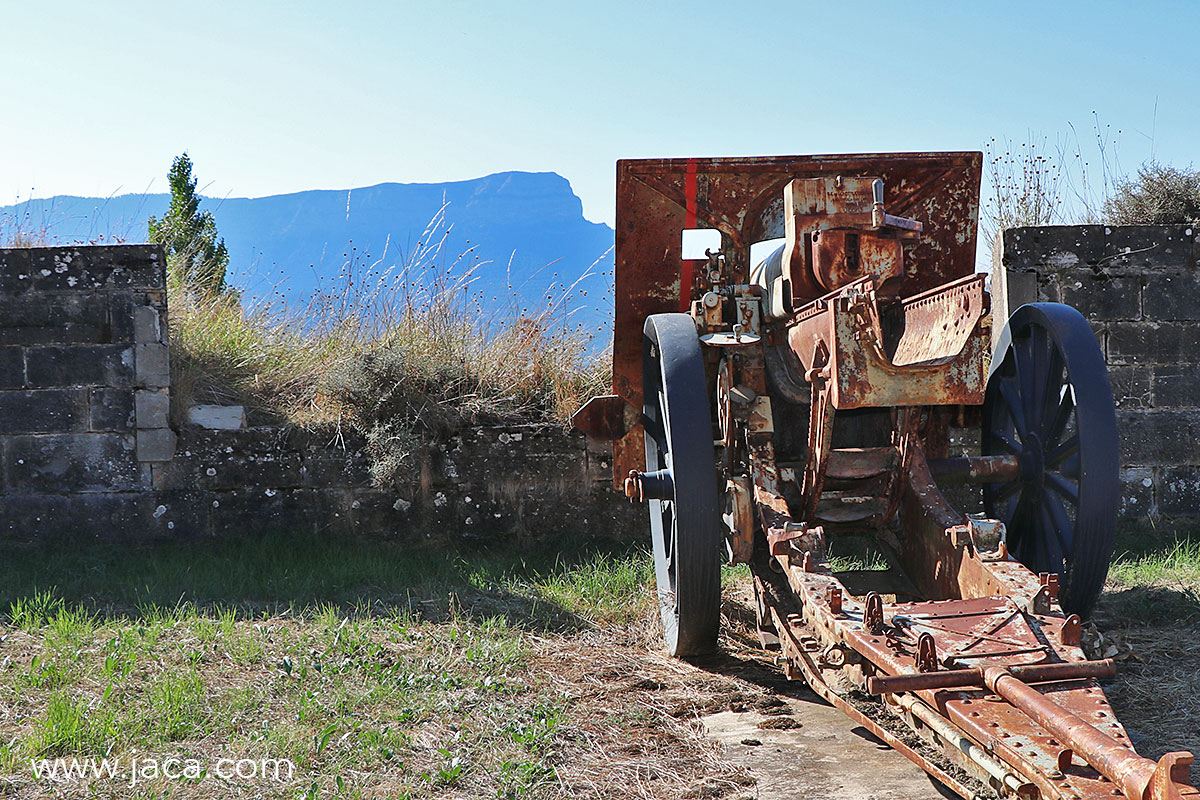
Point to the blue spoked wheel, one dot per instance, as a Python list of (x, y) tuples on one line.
[(685, 514), (1049, 403)]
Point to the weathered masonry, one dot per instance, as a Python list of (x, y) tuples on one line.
[(84, 371), (86, 443), (87, 447), (1139, 287)]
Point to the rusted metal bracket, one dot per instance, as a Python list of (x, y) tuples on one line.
[(937, 361), (605, 418)]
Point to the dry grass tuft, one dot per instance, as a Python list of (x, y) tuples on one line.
[(405, 353), (22, 230), (636, 716)]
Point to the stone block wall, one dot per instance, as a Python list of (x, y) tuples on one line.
[(523, 483), (84, 369), (87, 447), (1139, 287)]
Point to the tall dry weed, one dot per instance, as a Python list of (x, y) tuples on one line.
[(20, 228), (1036, 182)]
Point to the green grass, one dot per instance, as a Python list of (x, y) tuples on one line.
[(1146, 561), (377, 671), (65, 585), (1154, 579), (854, 553), (1149, 621)]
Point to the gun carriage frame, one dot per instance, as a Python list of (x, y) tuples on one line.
[(765, 412)]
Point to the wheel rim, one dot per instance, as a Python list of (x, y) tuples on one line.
[(1049, 403), (684, 521)]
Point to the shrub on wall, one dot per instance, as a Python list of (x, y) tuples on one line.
[(1159, 195)]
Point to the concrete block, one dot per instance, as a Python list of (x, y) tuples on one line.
[(14, 270), (147, 326), (1173, 295), (101, 267), (326, 466), (1102, 296), (125, 516), (1011, 290), (120, 315), (67, 333), (221, 460), (111, 410), (1137, 493), (1154, 246), (65, 269), (79, 365), (173, 515), (218, 417), (39, 318), (1179, 491), (153, 366), (80, 462), (549, 506), (12, 367), (177, 515), (155, 444), (599, 466), (153, 409), (1100, 329), (1159, 437), (1130, 386), (43, 411), (41, 310), (388, 513), (1153, 342), (1175, 385), (254, 510), (1049, 288), (1056, 246)]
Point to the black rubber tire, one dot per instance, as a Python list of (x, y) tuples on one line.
[(686, 529), (1049, 402)]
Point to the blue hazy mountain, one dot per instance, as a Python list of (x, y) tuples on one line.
[(522, 232)]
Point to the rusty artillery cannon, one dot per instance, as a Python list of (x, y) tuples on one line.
[(768, 412)]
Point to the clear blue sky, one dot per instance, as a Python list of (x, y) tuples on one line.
[(270, 97)]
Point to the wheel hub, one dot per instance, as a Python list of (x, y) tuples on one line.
[(1033, 461), (657, 485)]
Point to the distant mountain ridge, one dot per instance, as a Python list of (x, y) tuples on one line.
[(526, 226)]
